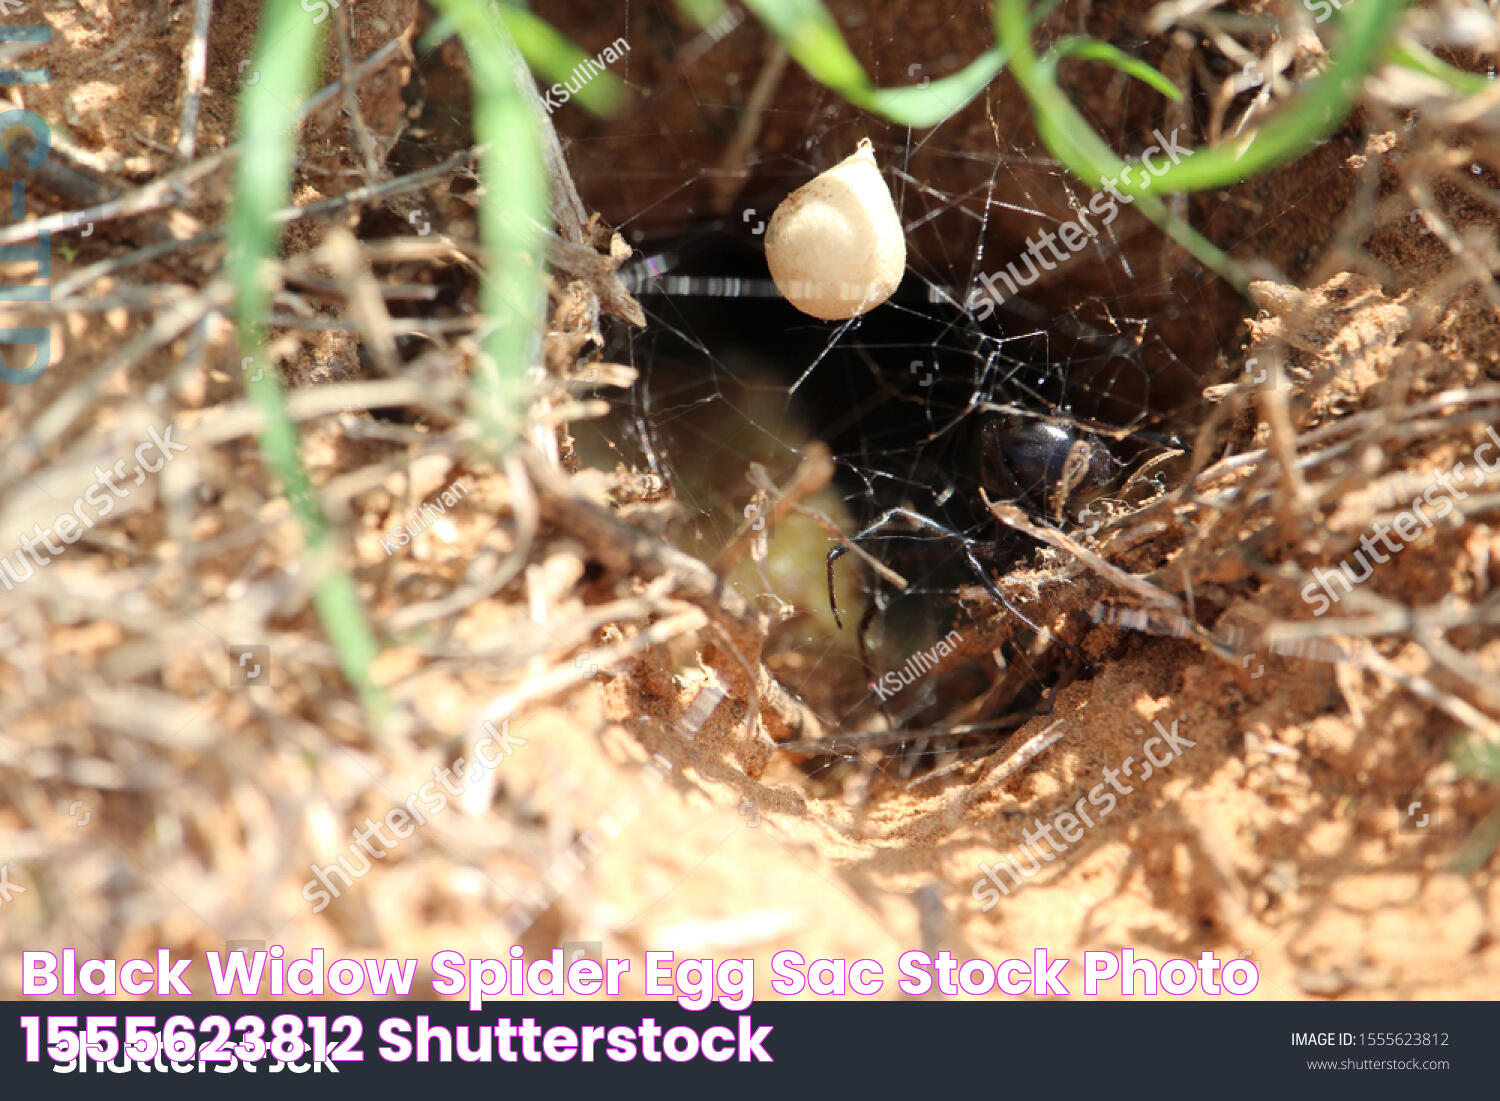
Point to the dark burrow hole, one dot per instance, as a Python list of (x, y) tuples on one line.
[(728, 379), (731, 374)]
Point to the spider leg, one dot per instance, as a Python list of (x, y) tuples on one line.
[(840, 549), (994, 591), (965, 544)]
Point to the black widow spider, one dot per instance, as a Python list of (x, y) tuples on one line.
[(1041, 465)]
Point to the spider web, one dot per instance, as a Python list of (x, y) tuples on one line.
[(730, 374)]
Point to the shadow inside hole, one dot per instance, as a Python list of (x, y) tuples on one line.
[(729, 373)]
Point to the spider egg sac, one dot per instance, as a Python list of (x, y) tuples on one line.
[(835, 246)]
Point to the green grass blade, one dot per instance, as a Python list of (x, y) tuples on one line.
[(513, 215), (814, 41), (1366, 31), (920, 107), (1410, 55), (1367, 28), (285, 55), (552, 54), (1091, 49), (1322, 104), (705, 13)]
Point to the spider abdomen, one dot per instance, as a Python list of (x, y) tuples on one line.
[(1040, 464)]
